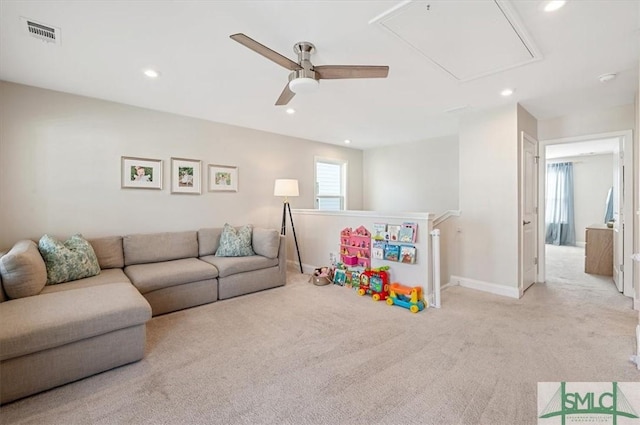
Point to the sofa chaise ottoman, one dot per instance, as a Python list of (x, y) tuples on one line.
[(68, 331)]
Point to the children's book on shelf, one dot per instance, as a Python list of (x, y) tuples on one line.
[(379, 230), (393, 230), (405, 234), (414, 228), (391, 252), (408, 254), (377, 250)]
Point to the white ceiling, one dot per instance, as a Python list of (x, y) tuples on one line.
[(105, 46)]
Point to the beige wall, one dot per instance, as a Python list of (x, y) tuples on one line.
[(588, 122), (592, 178), (420, 176), (489, 196), (60, 168)]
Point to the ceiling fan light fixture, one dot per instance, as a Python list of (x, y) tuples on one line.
[(303, 85)]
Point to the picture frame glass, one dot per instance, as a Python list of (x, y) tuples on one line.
[(140, 173), (186, 175), (223, 178)]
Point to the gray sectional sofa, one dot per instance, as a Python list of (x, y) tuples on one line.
[(72, 330)]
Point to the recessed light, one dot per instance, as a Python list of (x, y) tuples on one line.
[(151, 73), (347, 141), (506, 92), (554, 5), (607, 77), (291, 111)]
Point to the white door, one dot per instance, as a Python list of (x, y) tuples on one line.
[(618, 238), (529, 211)]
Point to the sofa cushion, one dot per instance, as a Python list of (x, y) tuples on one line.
[(228, 266), (23, 270), (104, 278), (51, 320), (156, 247), (150, 277), (208, 241), (109, 252), (266, 242), (235, 243), (70, 260)]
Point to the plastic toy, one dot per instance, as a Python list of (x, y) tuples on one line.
[(375, 282), (407, 297)]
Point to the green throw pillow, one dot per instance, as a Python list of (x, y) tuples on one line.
[(235, 243), (70, 260)]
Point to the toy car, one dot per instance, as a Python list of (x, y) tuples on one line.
[(407, 297)]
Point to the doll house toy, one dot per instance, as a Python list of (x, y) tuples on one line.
[(355, 247), (407, 297), (375, 282)]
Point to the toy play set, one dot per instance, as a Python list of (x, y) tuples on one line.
[(375, 282), (358, 246)]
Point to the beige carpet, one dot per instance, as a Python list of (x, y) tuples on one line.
[(303, 354)]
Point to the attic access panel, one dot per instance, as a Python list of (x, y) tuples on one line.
[(466, 39)]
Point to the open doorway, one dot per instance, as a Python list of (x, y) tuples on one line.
[(577, 245), (579, 188)]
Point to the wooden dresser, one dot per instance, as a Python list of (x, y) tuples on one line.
[(599, 250)]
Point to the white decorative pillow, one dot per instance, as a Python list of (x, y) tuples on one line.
[(235, 243), (70, 260)]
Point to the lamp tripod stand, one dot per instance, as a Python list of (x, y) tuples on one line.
[(283, 229)]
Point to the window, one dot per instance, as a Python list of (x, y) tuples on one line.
[(330, 184)]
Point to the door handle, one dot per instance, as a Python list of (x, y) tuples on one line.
[(524, 223)]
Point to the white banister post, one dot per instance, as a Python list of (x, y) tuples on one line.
[(435, 238)]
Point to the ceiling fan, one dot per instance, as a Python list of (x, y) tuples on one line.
[(304, 75)]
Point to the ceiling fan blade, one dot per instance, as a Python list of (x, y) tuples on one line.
[(333, 72), (266, 52), (285, 96)]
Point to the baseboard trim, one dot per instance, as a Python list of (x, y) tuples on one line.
[(492, 288), (306, 268)]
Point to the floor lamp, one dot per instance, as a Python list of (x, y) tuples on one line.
[(286, 188)]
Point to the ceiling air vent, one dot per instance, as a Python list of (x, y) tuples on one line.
[(41, 31)]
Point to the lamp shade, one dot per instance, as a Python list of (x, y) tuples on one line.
[(286, 187)]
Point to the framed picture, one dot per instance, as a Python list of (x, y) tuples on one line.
[(140, 173), (186, 176), (223, 178)]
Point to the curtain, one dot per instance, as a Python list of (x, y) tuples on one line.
[(608, 212), (559, 214)]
